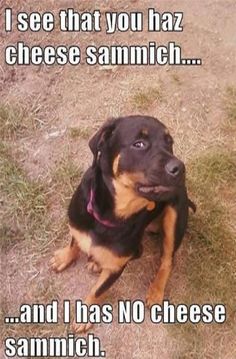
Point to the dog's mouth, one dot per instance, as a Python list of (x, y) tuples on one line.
[(156, 189)]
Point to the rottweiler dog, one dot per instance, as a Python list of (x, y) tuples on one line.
[(134, 179)]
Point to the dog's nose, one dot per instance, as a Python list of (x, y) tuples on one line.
[(174, 167)]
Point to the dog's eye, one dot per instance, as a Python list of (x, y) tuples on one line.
[(140, 145)]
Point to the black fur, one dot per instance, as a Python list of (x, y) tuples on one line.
[(117, 136)]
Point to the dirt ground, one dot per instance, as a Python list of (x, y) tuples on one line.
[(63, 107)]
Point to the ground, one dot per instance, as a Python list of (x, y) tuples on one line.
[(47, 115)]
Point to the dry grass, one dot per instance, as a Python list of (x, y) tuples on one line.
[(26, 216), (42, 293), (24, 208), (23, 217), (143, 99), (17, 120), (78, 132), (230, 104)]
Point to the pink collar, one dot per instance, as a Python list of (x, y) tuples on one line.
[(93, 213)]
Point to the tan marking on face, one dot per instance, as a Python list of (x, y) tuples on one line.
[(116, 165), (166, 131), (127, 200), (83, 240), (144, 131), (157, 288)]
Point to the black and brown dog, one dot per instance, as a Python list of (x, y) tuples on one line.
[(134, 179)]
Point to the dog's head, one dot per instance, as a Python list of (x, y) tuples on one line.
[(136, 152)]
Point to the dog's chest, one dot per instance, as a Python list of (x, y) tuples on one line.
[(83, 240)]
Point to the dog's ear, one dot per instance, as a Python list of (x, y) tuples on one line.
[(97, 142)]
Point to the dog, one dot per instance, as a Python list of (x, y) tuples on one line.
[(134, 179)]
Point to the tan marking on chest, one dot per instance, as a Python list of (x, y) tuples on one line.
[(83, 240), (127, 200), (107, 259)]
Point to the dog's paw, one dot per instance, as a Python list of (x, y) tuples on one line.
[(93, 267), (81, 328), (154, 297), (63, 258)]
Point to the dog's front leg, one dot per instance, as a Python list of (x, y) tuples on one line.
[(105, 281), (156, 290)]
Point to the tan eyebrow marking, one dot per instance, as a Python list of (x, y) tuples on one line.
[(144, 131)]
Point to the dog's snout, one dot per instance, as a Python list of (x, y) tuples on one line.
[(174, 167)]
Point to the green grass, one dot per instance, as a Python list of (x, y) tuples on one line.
[(145, 98), (66, 178), (23, 203), (212, 177), (26, 204), (211, 247)]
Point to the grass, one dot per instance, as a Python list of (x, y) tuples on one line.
[(145, 98), (230, 104), (78, 132), (42, 292), (23, 203), (65, 178), (210, 263), (24, 211), (229, 124), (25, 216), (212, 177), (15, 120)]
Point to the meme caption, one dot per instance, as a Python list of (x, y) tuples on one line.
[(69, 20), (127, 312)]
